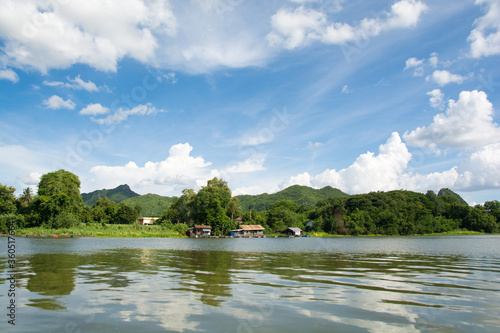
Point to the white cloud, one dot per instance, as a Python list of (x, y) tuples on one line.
[(56, 102), (9, 74), (292, 29), (389, 170), (94, 110), (443, 77), (252, 164), (44, 35), (467, 123), (485, 38), (178, 171), (123, 114), (314, 145), (434, 60), (77, 83), (437, 99), (346, 89), (369, 172), (417, 64)]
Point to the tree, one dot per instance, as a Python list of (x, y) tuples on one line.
[(58, 193), (125, 214), (7, 199), (104, 210), (233, 207)]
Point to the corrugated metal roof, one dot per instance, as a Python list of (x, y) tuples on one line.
[(252, 227), (294, 229), (202, 227)]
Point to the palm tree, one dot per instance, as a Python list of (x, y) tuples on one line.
[(26, 197)]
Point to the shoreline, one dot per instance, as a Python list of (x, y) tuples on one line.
[(169, 234)]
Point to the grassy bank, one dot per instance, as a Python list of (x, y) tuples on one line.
[(108, 230), (117, 230)]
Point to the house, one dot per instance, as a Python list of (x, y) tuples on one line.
[(200, 231), (297, 232), (248, 230), (147, 220)]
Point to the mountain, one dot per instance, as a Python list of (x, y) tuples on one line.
[(452, 196), (117, 195), (302, 195), (151, 204)]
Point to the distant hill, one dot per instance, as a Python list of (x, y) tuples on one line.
[(302, 195), (117, 195), (446, 192), (151, 204)]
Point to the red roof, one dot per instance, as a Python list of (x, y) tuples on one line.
[(252, 227)]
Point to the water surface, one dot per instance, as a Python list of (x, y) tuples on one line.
[(390, 284)]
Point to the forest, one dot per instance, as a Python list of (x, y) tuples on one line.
[(59, 204)]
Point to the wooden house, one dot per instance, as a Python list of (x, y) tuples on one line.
[(248, 230)]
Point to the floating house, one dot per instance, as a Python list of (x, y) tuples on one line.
[(297, 232), (200, 231), (248, 230), (147, 220)]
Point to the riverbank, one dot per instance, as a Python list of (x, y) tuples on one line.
[(156, 231), (108, 230)]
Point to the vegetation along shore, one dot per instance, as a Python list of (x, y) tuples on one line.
[(58, 208)]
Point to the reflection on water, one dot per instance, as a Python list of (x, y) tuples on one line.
[(258, 285)]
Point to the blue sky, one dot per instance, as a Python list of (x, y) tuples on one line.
[(164, 95)]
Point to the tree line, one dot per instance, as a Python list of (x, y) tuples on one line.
[(58, 204)]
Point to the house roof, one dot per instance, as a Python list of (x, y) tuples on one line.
[(202, 227), (294, 229), (252, 227)]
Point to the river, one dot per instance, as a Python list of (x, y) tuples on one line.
[(351, 284)]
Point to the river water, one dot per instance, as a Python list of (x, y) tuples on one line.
[(352, 284)]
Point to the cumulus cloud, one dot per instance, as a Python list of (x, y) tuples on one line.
[(77, 83), (94, 110), (389, 170), (443, 77), (437, 99), (56, 102), (466, 123), (121, 114), (369, 172), (178, 171), (9, 74), (485, 38), (292, 29), (44, 35), (417, 65)]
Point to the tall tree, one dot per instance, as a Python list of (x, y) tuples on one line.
[(58, 193), (7, 199)]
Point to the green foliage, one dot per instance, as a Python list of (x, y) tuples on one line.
[(449, 196), (301, 195), (150, 204), (63, 220), (6, 219), (125, 214), (58, 193), (7, 200)]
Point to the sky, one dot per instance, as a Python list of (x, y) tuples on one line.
[(164, 95)]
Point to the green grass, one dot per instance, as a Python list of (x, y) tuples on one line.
[(109, 230)]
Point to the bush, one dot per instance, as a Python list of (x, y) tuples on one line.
[(64, 220), (5, 219)]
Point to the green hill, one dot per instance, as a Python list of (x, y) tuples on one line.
[(151, 204), (302, 195), (451, 196), (117, 195)]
